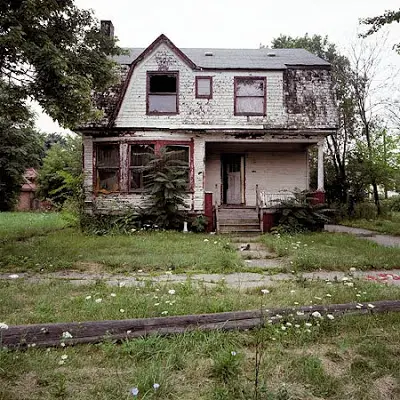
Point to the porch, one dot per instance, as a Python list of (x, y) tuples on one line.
[(245, 182)]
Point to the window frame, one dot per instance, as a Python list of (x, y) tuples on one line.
[(97, 168), (130, 167), (149, 74), (202, 96), (158, 145), (264, 97)]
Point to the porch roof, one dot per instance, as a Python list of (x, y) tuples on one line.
[(246, 147)]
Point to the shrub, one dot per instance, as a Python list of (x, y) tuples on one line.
[(301, 214), (199, 223), (365, 210)]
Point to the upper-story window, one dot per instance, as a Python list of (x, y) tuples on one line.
[(203, 87), (250, 98), (162, 93)]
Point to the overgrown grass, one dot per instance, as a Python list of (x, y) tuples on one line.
[(332, 251), (22, 225), (148, 251), (389, 226), (350, 358), (59, 301)]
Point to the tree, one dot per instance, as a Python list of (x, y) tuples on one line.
[(60, 175), (20, 145), (57, 54), (338, 145), (376, 23)]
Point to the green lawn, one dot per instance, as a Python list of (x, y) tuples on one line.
[(332, 251), (22, 225), (354, 358), (147, 251), (389, 226)]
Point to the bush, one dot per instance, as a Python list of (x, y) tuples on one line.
[(393, 203), (301, 214), (199, 223), (365, 210)]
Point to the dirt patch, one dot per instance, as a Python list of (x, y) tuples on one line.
[(386, 388), (89, 267)]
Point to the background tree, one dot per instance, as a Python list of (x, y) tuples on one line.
[(60, 175), (58, 55), (376, 23), (20, 146)]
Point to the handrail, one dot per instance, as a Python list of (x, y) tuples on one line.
[(273, 200), (216, 209), (257, 201)]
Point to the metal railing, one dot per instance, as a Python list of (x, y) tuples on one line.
[(273, 200)]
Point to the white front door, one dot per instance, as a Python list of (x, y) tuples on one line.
[(232, 166)]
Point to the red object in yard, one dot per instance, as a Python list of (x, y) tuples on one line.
[(319, 197), (267, 221), (208, 210)]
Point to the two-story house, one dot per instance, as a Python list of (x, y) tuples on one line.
[(244, 119)]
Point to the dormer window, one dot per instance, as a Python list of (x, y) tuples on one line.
[(162, 93), (203, 87)]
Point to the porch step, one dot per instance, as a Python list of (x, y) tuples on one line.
[(229, 228), (238, 221)]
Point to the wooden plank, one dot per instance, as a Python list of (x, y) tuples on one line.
[(97, 331)]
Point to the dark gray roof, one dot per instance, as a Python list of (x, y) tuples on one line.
[(241, 58)]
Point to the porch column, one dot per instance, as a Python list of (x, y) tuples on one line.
[(321, 167), (199, 173)]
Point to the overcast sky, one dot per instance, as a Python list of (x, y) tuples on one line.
[(234, 23)]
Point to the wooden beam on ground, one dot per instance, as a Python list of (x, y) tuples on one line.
[(46, 335)]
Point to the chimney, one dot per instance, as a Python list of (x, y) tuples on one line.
[(107, 28)]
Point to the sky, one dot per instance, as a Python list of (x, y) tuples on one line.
[(234, 24)]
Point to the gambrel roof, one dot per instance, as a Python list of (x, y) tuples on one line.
[(255, 59)]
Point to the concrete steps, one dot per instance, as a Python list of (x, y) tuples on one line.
[(238, 220)]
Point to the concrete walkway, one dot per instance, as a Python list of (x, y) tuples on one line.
[(384, 240), (234, 280)]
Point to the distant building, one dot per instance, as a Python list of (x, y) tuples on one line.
[(27, 198)]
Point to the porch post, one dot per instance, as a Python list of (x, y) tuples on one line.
[(321, 167)]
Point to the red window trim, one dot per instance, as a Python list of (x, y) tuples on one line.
[(150, 73), (202, 96), (236, 79), (158, 144)]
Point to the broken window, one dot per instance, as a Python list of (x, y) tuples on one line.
[(140, 158), (107, 167), (181, 154), (162, 93), (249, 96), (203, 87)]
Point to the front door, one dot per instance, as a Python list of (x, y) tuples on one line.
[(232, 175)]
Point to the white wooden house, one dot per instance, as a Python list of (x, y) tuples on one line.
[(245, 120)]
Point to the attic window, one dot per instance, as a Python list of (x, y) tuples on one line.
[(203, 87), (250, 96), (162, 93)]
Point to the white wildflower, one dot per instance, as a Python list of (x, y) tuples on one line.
[(352, 269), (13, 276), (283, 328), (205, 240), (164, 312), (288, 324), (157, 304), (233, 353), (156, 386), (316, 314), (98, 300), (328, 295), (171, 291), (64, 357), (113, 295), (3, 325), (66, 335), (330, 316), (297, 326), (168, 273), (88, 297), (296, 303), (358, 306), (371, 305), (135, 391), (300, 313), (308, 324), (121, 310), (265, 291), (318, 298), (140, 271), (61, 362), (62, 344), (292, 291), (121, 284), (358, 295), (128, 332), (308, 330)]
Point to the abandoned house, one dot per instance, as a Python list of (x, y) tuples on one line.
[(244, 119)]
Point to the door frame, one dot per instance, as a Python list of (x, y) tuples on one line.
[(225, 157)]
